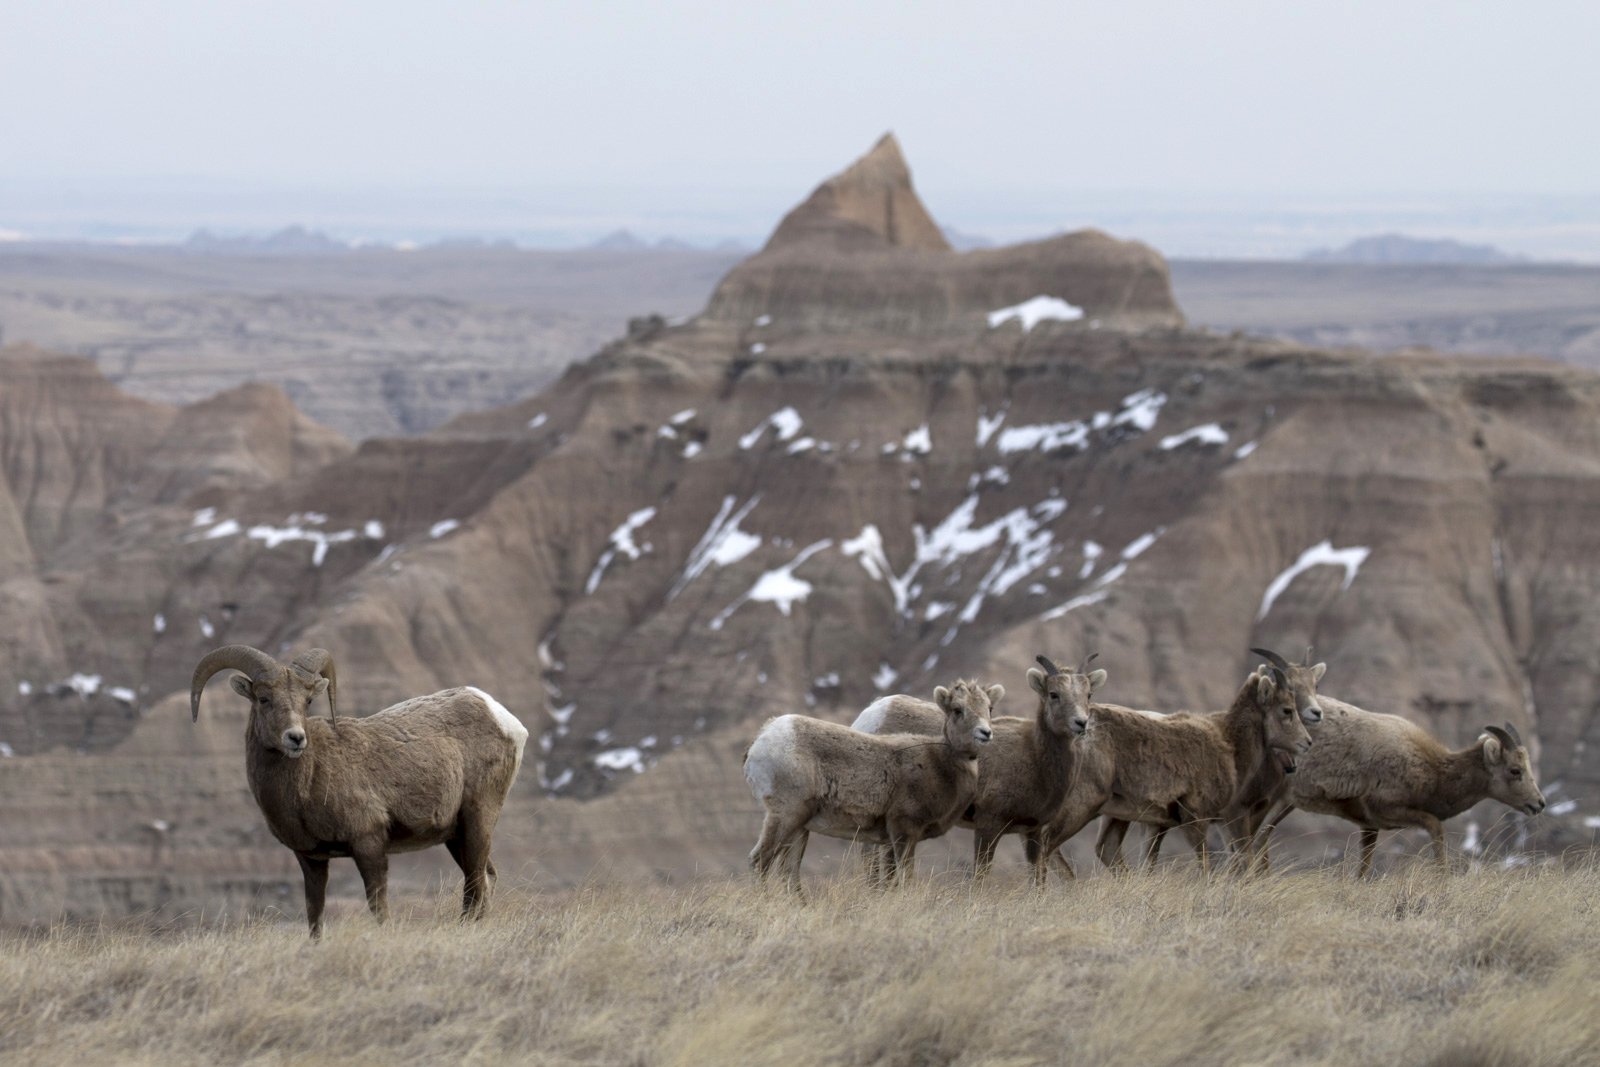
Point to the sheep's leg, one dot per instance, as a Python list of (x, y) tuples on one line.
[(1059, 862), (1261, 840), (1109, 847), (1435, 830), (470, 849), (1369, 842), (315, 872), (1195, 831), (793, 854), (1043, 850), (905, 858), (373, 863), (886, 865), (1070, 820), (772, 837), (984, 842), (1152, 844)]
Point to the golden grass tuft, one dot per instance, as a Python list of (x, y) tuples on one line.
[(1493, 968)]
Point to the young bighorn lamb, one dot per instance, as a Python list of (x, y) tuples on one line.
[(1383, 772), (812, 775), (428, 771), (1023, 773), (1183, 769)]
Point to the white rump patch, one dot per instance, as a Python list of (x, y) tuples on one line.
[(1317, 555), (776, 745), (873, 716), (509, 724), (1040, 309)]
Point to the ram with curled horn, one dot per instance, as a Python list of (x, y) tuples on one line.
[(1384, 772), (433, 770)]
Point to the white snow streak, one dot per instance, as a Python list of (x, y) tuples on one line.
[(621, 543), (1032, 312), (1138, 411), (779, 588), (1321, 554), (785, 422), (723, 544), (1209, 434)]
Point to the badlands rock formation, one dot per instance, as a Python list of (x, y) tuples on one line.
[(799, 500)]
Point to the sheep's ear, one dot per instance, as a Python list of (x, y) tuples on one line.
[(1265, 686), (1036, 680), (997, 693), (318, 688), (1493, 753), (1317, 672), (1096, 679), (941, 697), (241, 685)]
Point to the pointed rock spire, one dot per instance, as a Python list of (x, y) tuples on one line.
[(869, 203)]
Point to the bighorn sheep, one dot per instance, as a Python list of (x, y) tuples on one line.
[(1270, 780), (812, 775), (431, 770), (1183, 769), (1023, 773), (1383, 772)]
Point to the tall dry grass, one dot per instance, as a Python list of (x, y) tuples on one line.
[(1498, 967)]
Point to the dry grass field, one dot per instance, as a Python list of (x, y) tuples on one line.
[(1493, 967)]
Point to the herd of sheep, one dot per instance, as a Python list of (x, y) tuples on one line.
[(908, 770), (437, 769)]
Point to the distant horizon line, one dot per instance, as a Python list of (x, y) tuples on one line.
[(321, 242)]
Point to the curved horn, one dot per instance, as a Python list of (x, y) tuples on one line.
[(1502, 736), (1047, 665), (240, 658), (1512, 730), (320, 661), (1272, 658), (1280, 667), (1083, 668)]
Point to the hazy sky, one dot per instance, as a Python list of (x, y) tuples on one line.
[(608, 100)]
